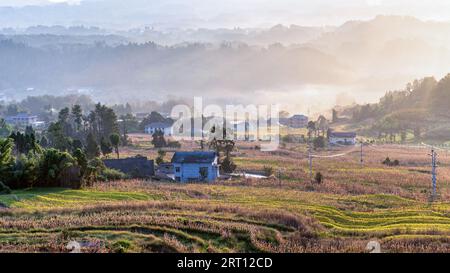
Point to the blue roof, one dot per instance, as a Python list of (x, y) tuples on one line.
[(194, 157)]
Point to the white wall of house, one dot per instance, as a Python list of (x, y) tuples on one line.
[(168, 131), (342, 141), (21, 120), (191, 172)]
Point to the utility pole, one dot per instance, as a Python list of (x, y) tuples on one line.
[(361, 155), (310, 162), (279, 177), (433, 173)]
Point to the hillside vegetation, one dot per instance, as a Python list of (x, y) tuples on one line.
[(419, 112)]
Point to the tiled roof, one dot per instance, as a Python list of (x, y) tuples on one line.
[(194, 157), (343, 134)]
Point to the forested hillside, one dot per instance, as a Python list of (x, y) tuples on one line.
[(419, 112)]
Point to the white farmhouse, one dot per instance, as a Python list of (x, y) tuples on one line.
[(164, 127), (22, 119), (195, 166)]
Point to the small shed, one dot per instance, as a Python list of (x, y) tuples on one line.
[(195, 166), (138, 166)]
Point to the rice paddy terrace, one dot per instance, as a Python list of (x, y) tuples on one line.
[(136, 216)]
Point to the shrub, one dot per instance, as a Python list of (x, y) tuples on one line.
[(268, 171), (112, 175), (4, 189), (390, 163), (25, 172), (121, 246), (318, 178), (228, 165), (319, 142), (160, 159), (94, 170), (52, 166)]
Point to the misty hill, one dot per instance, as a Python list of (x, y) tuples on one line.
[(420, 109), (363, 58), (393, 49), (148, 67), (47, 35)]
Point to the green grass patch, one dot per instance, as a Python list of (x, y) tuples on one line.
[(53, 198)]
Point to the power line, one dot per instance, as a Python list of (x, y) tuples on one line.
[(311, 156), (334, 155)]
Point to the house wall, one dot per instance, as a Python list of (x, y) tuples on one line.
[(298, 122), (191, 172), (339, 140), (167, 131), (19, 120)]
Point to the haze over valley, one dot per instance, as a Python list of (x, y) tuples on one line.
[(302, 66)]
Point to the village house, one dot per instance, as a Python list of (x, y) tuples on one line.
[(22, 119), (141, 116), (195, 166), (296, 121), (164, 127), (342, 138)]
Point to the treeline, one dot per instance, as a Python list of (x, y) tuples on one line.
[(126, 68), (66, 155), (420, 110)]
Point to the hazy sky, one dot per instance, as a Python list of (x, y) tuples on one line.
[(248, 13)]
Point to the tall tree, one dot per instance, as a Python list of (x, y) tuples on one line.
[(115, 142), (57, 137), (77, 114), (104, 122), (311, 129), (92, 149), (63, 120), (335, 117), (6, 158), (322, 125), (158, 139), (106, 147)]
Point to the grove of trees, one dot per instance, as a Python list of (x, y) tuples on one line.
[(420, 111), (67, 153)]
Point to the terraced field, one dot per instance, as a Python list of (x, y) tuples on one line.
[(352, 206), (135, 216)]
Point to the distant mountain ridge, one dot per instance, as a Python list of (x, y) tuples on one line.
[(364, 58)]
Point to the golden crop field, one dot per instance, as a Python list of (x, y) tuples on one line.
[(352, 206)]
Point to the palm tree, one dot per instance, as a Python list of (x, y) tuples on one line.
[(311, 128)]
